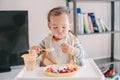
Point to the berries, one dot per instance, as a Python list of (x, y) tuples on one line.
[(50, 69), (61, 70), (74, 69)]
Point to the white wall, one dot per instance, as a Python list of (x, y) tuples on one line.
[(37, 10), (117, 35), (96, 46)]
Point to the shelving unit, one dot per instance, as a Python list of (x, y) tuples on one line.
[(112, 32)]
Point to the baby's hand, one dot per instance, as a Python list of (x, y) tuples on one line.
[(66, 48), (34, 49)]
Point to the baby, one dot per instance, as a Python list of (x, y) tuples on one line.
[(63, 46)]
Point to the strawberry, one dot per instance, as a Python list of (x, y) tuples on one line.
[(50, 69), (74, 69), (63, 71), (71, 70)]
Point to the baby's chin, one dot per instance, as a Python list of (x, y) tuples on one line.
[(59, 37)]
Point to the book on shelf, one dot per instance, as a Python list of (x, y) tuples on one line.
[(88, 23), (80, 23), (91, 25), (99, 25), (104, 25), (95, 26), (87, 27)]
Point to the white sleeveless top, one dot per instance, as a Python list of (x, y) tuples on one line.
[(58, 56)]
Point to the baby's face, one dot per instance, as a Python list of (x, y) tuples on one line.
[(59, 25)]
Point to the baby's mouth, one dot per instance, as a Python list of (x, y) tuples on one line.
[(58, 35)]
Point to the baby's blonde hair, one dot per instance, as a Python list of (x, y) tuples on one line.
[(58, 11)]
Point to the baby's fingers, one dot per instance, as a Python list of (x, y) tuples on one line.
[(34, 49)]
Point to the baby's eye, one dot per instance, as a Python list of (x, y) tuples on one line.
[(64, 27), (55, 27)]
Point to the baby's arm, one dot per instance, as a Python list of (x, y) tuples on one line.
[(79, 50), (34, 49), (37, 49), (76, 50), (42, 44)]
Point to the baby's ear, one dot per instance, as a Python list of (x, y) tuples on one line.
[(49, 25), (71, 25)]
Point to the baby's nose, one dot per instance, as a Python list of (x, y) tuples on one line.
[(60, 30)]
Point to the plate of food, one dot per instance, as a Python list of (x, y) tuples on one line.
[(62, 70)]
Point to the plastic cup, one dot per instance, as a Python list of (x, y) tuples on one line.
[(29, 61)]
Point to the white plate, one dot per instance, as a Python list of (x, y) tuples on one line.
[(51, 74)]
